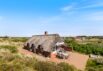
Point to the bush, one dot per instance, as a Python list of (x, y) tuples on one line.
[(94, 65), (85, 48)]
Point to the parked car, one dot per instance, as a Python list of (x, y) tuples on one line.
[(62, 54)]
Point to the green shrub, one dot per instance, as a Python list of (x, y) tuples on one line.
[(94, 65), (85, 48)]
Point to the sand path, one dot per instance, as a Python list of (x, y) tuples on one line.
[(76, 59)]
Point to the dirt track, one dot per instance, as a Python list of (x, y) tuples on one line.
[(76, 59)]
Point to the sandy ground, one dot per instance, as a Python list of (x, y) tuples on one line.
[(30, 54), (76, 59)]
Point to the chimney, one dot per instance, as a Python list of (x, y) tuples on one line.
[(45, 33)]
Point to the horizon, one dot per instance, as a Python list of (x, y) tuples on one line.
[(67, 18)]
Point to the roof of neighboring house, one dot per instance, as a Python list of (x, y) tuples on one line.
[(47, 41)]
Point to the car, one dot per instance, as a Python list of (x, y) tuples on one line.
[(62, 54)]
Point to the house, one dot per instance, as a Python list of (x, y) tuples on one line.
[(80, 38), (45, 44)]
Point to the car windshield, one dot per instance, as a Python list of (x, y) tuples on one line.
[(62, 51)]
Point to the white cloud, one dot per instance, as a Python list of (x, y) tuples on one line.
[(92, 6), (74, 7), (67, 8)]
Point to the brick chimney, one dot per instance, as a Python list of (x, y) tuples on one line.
[(45, 33)]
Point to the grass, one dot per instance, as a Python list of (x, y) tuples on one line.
[(22, 39), (94, 65), (14, 39), (12, 49), (19, 62)]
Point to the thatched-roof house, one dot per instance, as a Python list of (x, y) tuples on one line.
[(44, 44), (47, 41)]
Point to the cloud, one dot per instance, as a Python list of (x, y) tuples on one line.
[(75, 6), (92, 6), (67, 8)]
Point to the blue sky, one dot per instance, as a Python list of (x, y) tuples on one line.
[(66, 17)]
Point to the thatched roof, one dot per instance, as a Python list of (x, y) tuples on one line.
[(47, 41)]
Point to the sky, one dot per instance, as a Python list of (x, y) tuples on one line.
[(65, 17)]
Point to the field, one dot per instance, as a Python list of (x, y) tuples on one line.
[(14, 58)]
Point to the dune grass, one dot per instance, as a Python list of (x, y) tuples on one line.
[(12, 49)]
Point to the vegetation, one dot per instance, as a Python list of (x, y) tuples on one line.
[(13, 61), (22, 39), (47, 66), (67, 67), (15, 39), (88, 48), (95, 65), (18, 62), (12, 49)]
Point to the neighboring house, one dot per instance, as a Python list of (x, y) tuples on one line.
[(45, 44), (95, 56), (80, 38)]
